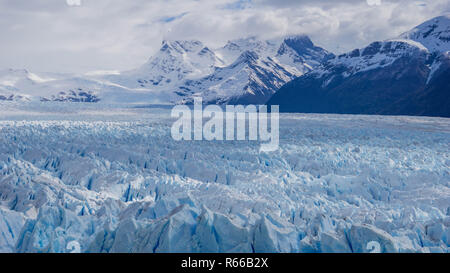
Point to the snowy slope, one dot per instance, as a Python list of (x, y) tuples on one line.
[(22, 85), (46, 86), (259, 69), (433, 34), (249, 80), (299, 52), (375, 56), (112, 180), (174, 62), (233, 49)]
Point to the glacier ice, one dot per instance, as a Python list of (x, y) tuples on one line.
[(113, 180)]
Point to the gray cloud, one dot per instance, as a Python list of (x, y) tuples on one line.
[(49, 35)]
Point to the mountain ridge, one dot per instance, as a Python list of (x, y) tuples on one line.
[(391, 77), (169, 75)]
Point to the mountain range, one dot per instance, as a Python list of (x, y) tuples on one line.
[(406, 75), (243, 71)]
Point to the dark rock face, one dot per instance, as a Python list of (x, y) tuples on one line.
[(408, 86), (262, 83), (12, 97), (8, 98), (406, 76), (304, 48), (433, 99), (78, 95)]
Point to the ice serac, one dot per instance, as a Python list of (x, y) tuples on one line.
[(367, 238), (93, 179), (396, 77), (11, 222)]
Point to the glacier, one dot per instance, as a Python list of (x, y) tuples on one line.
[(109, 178)]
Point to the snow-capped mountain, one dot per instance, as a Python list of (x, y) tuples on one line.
[(23, 85), (174, 62), (243, 71), (13, 81), (300, 52), (233, 49), (251, 79), (433, 34), (258, 71), (296, 52), (397, 76)]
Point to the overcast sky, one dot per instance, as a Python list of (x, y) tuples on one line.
[(60, 35)]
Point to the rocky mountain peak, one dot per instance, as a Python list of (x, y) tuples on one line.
[(434, 34)]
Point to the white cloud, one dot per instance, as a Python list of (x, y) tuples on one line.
[(374, 2), (50, 35), (73, 2)]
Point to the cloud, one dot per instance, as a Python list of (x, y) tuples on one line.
[(50, 35), (373, 2), (168, 19)]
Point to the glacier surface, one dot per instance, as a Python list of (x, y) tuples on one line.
[(90, 178)]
